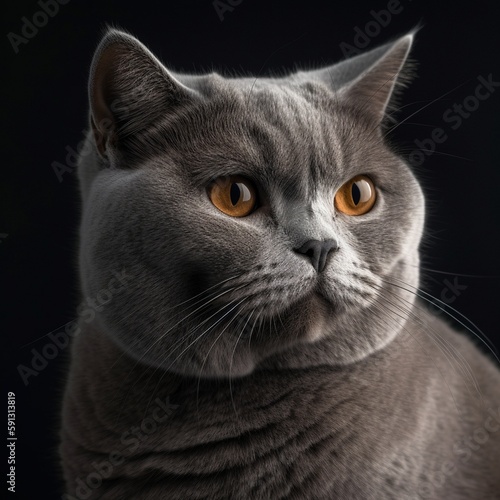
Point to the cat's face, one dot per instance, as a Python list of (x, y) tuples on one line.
[(208, 189)]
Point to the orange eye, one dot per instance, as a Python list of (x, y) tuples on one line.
[(233, 195), (356, 197)]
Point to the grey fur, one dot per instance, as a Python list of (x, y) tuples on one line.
[(291, 383)]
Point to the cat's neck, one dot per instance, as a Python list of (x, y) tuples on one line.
[(116, 407), (108, 380)]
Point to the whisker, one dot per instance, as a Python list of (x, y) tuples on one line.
[(138, 340), (455, 274), (446, 347), (423, 295), (439, 153), (404, 317), (178, 344), (205, 291), (257, 319), (186, 317), (232, 359), (394, 127), (211, 347), (191, 331), (203, 334), (179, 341)]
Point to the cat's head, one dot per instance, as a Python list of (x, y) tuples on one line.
[(253, 216)]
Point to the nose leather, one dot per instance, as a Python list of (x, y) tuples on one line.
[(317, 252)]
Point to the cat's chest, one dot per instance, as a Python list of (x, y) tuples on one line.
[(298, 438)]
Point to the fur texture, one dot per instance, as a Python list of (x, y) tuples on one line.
[(286, 382)]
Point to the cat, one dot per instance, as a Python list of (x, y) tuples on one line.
[(271, 341)]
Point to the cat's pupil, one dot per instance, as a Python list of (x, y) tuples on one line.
[(235, 193), (355, 193)]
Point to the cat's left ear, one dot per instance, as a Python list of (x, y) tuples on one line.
[(369, 79)]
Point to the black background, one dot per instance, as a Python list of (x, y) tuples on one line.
[(45, 87)]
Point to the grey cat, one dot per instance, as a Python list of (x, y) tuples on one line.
[(267, 341)]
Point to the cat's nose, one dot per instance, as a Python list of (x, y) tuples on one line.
[(318, 251)]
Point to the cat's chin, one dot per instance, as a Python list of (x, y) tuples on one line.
[(318, 306)]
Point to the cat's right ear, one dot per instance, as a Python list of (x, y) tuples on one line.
[(129, 89), (370, 80)]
